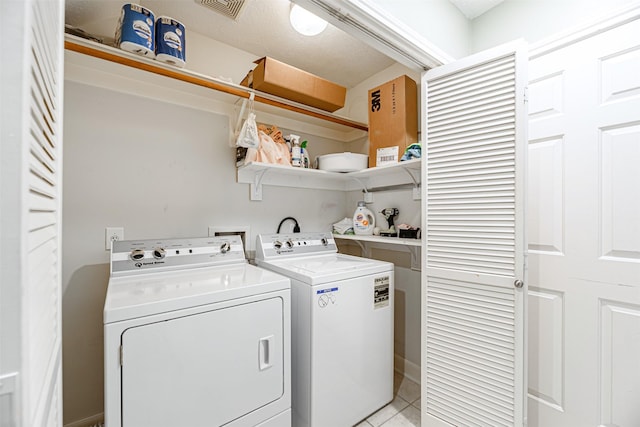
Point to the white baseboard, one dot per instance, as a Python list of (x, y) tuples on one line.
[(407, 368), (88, 422)]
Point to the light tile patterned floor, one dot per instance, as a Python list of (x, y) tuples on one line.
[(403, 411)]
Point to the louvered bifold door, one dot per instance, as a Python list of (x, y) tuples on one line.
[(473, 277), (42, 352)]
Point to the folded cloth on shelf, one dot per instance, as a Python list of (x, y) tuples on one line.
[(344, 226), (414, 151), (268, 152)]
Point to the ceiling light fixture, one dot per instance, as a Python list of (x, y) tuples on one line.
[(305, 22)]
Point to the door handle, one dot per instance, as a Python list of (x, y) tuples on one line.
[(265, 346)]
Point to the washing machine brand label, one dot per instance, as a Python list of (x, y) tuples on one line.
[(324, 291), (284, 251), (326, 297), (141, 264), (381, 292)]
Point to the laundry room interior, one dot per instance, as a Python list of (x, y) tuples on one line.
[(152, 155)]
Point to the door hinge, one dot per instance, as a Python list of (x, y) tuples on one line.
[(121, 356), (526, 94)]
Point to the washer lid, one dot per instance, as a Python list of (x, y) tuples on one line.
[(135, 296), (320, 269)]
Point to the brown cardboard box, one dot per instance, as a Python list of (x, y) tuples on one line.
[(280, 79), (393, 120)]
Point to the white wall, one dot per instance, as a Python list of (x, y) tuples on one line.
[(536, 20), (438, 21), (158, 170)]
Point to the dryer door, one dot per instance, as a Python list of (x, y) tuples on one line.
[(204, 369)]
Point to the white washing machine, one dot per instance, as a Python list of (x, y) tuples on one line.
[(195, 336), (342, 328)]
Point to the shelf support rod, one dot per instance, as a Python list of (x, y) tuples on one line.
[(391, 188)]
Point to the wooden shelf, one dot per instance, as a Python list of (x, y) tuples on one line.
[(259, 174), (89, 49)]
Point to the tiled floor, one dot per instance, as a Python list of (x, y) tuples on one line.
[(403, 411)]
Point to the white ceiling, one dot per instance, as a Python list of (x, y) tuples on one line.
[(474, 8), (263, 29)]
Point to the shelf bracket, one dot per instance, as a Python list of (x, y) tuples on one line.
[(364, 248), (364, 187), (415, 258), (368, 197), (416, 185), (256, 185)]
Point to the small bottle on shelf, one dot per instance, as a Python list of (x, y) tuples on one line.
[(296, 151)]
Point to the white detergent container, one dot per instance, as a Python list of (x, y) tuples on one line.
[(363, 220)]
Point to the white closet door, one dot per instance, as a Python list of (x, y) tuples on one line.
[(584, 237), (473, 325), (31, 179)]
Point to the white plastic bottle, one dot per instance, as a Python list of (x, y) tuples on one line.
[(363, 220), (296, 151)]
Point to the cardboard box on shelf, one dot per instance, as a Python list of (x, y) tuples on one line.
[(277, 78), (393, 120)]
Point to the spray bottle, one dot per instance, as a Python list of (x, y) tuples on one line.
[(363, 220), (296, 151)]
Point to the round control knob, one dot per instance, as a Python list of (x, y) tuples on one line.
[(289, 243), (137, 254), (277, 244), (324, 241), (159, 253), (225, 247)]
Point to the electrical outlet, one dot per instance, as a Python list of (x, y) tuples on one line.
[(111, 234), (368, 197)]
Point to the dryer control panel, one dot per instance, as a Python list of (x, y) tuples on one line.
[(275, 246), (133, 256)]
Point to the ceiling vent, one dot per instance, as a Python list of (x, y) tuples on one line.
[(229, 8)]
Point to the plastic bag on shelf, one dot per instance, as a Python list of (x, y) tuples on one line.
[(248, 136)]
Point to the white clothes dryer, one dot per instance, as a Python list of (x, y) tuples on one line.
[(342, 328), (195, 336)]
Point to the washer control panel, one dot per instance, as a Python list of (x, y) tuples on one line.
[(133, 256), (274, 246)]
